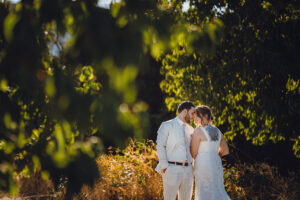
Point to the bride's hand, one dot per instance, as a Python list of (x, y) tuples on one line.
[(220, 153)]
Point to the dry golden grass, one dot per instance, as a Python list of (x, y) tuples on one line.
[(130, 175), (127, 175)]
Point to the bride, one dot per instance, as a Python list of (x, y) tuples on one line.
[(207, 146)]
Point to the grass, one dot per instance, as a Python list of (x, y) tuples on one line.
[(129, 174)]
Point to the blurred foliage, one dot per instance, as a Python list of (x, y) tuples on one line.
[(252, 80), (68, 70)]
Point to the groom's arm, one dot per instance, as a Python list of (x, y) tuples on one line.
[(161, 143)]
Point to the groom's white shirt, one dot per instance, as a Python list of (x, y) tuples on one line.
[(170, 143)]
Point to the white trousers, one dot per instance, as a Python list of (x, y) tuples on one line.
[(178, 179)]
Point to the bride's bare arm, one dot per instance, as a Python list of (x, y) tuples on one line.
[(224, 150), (195, 142)]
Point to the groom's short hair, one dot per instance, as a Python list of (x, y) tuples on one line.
[(185, 105)]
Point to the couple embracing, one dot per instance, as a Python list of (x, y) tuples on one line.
[(185, 153)]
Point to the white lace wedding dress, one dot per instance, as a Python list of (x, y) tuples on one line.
[(208, 169)]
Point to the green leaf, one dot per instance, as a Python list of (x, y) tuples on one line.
[(3, 85), (50, 88), (9, 24)]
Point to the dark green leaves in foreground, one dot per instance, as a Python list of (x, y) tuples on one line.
[(67, 80)]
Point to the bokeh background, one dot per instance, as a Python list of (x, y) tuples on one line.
[(85, 84)]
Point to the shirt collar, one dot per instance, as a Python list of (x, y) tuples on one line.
[(180, 121)]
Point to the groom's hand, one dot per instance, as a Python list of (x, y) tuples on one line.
[(164, 170)]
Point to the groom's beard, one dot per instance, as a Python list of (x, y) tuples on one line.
[(187, 118)]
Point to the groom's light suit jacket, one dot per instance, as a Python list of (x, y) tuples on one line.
[(170, 143)]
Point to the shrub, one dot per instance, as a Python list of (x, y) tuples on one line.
[(129, 175)]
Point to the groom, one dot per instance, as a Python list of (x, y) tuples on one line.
[(173, 151)]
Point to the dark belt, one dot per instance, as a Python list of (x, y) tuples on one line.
[(179, 163)]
